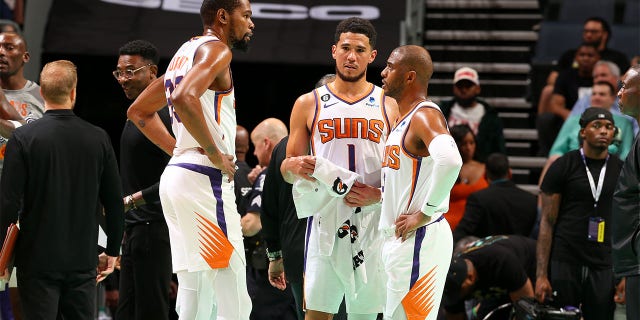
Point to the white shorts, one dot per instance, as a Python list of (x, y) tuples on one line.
[(199, 206), (325, 285), (416, 271)]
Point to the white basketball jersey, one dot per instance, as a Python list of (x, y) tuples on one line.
[(218, 106), (351, 134), (406, 177)]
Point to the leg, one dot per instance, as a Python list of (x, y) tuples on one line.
[(152, 271), (599, 289), (565, 280), (296, 289), (632, 296), (196, 298), (78, 295), (126, 299), (235, 303), (39, 294)]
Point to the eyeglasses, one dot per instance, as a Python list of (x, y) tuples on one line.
[(128, 73)]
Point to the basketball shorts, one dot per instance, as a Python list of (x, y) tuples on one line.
[(416, 271), (199, 206)]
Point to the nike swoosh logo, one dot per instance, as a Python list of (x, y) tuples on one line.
[(329, 105)]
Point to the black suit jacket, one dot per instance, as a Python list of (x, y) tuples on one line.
[(502, 208)]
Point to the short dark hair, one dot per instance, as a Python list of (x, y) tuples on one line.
[(210, 7), (605, 83), (605, 25), (497, 166), (141, 48), (357, 25), (589, 45)]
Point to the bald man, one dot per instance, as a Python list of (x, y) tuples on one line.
[(241, 182), (268, 302), (420, 166), (626, 205)]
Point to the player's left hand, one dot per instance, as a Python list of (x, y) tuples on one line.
[(106, 264), (362, 195), (407, 223)]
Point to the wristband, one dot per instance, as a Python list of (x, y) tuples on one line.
[(16, 124), (273, 256)]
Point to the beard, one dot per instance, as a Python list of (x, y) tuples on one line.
[(347, 78), (240, 44), (465, 103)]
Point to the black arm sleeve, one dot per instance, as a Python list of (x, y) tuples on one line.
[(111, 198), (152, 193), (13, 183), (271, 210)]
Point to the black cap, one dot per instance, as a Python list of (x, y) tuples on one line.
[(455, 277), (595, 113)]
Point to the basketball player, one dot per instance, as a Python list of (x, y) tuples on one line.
[(196, 188), (420, 166), (346, 122)]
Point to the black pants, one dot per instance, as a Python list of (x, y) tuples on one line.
[(57, 295), (145, 273), (268, 302), (577, 286)]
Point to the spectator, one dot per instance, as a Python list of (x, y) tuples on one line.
[(494, 270), (602, 71), (241, 182), (626, 205), (574, 243), (571, 85), (145, 273), (502, 208), (471, 177), (466, 108), (58, 171), (597, 32)]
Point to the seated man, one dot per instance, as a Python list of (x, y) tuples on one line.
[(494, 271)]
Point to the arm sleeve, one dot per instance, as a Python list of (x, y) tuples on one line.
[(111, 198), (152, 193), (13, 184), (447, 164), (273, 182)]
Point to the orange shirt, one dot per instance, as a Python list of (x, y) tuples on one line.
[(458, 200)]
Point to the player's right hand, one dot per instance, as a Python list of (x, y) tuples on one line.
[(543, 289), (302, 166), (225, 164)]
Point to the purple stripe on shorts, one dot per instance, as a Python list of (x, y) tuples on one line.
[(306, 242), (215, 176), (415, 270), (420, 233)]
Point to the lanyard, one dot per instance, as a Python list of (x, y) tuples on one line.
[(595, 191)]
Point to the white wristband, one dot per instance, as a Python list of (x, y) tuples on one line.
[(16, 124)]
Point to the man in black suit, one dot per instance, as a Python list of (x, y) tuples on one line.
[(57, 171), (502, 208)]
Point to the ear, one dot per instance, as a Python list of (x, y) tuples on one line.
[(222, 16), (333, 51), (26, 57), (374, 54), (581, 133), (411, 76), (153, 70), (72, 94)]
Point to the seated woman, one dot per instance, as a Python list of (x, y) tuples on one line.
[(471, 177)]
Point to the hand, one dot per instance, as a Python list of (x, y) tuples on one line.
[(111, 298), (225, 164), (407, 223), (302, 166), (106, 264), (362, 195), (254, 173), (276, 274), (543, 289), (620, 296)]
